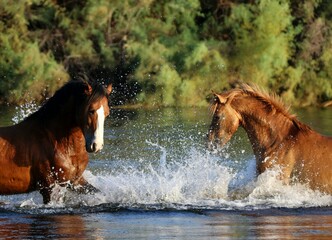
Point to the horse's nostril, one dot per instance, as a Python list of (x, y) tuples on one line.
[(94, 147)]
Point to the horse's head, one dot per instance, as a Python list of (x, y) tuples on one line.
[(94, 114), (225, 120)]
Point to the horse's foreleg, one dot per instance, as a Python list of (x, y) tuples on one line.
[(286, 164), (46, 193), (82, 186), (285, 174)]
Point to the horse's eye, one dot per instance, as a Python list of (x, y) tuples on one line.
[(91, 112)]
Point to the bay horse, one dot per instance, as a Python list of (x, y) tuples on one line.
[(50, 146), (276, 136)]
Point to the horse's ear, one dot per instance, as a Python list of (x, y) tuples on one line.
[(219, 98), (88, 90), (109, 89)]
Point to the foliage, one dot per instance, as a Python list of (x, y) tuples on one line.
[(26, 72), (167, 53)]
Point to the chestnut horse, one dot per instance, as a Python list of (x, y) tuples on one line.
[(50, 146), (276, 136)]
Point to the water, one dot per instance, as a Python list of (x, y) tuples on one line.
[(157, 180)]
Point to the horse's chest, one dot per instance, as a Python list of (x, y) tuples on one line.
[(70, 165)]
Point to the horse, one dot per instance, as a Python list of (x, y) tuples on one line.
[(51, 145), (277, 137)]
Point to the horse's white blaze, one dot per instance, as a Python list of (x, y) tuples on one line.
[(99, 133)]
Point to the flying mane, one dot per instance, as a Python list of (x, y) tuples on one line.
[(274, 103), (56, 103)]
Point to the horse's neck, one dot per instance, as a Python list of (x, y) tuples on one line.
[(69, 132), (266, 132)]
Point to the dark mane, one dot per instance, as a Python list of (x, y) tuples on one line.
[(273, 102), (75, 91), (98, 92)]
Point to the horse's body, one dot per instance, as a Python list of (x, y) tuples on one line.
[(51, 145), (277, 138)]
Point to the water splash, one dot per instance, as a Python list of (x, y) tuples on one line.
[(199, 180), (203, 181), (24, 110), (162, 161)]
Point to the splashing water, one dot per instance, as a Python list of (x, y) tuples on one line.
[(24, 110), (197, 181)]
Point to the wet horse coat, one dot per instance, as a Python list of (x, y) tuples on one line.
[(50, 146), (277, 137)]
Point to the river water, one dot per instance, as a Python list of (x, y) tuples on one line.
[(157, 180)]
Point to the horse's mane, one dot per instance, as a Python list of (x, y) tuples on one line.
[(77, 90), (273, 102)]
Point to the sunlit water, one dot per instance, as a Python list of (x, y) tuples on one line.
[(155, 169)]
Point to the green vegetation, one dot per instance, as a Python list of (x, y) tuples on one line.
[(167, 52)]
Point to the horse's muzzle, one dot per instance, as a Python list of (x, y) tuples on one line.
[(94, 147), (210, 146), (210, 140), (213, 145)]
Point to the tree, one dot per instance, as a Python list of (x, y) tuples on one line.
[(25, 71), (167, 53)]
